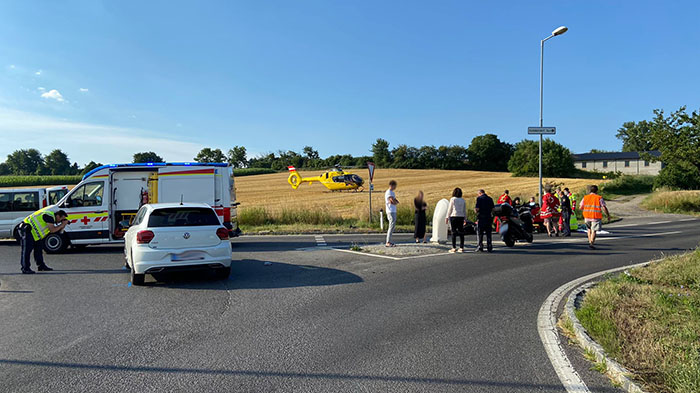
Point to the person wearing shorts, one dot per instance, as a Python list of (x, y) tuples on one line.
[(592, 207)]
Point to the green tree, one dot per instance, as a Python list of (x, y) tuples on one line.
[(310, 153), (381, 153), (488, 153), (404, 156), (4, 169), (208, 155), (237, 157), (556, 159), (677, 137), (147, 156), (636, 136), (25, 162), (90, 166), (57, 163)]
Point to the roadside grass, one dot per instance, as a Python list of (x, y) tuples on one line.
[(680, 202), (21, 181), (649, 320), (627, 185)]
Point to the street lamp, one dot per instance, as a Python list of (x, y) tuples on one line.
[(558, 31)]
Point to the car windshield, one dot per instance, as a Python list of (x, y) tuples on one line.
[(182, 216)]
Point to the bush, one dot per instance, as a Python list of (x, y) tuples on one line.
[(556, 159), (679, 176), (252, 171), (628, 185), (18, 181)]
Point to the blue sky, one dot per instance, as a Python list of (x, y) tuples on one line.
[(102, 80)]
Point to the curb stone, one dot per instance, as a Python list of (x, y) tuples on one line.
[(615, 371)]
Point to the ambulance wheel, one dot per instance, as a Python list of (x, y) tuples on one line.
[(55, 243)]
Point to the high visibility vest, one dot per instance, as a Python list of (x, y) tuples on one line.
[(40, 228), (592, 209)]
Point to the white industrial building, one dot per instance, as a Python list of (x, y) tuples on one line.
[(629, 163)]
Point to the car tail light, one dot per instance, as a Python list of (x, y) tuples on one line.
[(144, 237), (222, 233)]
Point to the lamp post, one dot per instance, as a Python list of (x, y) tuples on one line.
[(558, 31)]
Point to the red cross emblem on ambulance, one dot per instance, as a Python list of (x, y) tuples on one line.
[(85, 220)]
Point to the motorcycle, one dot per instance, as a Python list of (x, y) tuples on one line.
[(514, 224)]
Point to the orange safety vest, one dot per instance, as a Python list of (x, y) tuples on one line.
[(592, 209)]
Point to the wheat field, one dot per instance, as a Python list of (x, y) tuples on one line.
[(274, 194)]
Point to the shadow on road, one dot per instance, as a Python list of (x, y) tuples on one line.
[(256, 274), (295, 375)]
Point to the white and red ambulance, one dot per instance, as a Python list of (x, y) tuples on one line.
[(101, 207)]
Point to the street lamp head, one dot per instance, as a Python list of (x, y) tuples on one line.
[(560, 30)]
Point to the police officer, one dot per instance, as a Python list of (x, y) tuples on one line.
[(484, 209), (36, 227)]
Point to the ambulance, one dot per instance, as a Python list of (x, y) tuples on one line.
[(102, 206)]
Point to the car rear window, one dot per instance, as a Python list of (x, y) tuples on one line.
[(180, 217)]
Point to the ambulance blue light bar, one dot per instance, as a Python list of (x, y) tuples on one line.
[(154, 164)]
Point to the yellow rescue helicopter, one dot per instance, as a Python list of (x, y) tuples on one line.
[(334, 180)]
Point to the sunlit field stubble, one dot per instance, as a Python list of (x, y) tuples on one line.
[(272, 194)]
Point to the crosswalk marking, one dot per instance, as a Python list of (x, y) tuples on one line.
[(320, 241)]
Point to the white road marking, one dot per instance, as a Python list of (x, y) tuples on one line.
[(659, 222), (547, 328), (320, 241), (688, 219)]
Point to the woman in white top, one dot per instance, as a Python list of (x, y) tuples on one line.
[(456, 214)]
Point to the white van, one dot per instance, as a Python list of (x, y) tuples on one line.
[(102, 206), (18, 203)]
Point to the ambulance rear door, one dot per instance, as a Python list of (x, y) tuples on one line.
[(187, 184)]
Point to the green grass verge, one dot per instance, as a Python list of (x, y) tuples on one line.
[(627, 185), (252, 171), (649, 320), (21, 181), (680, 202)]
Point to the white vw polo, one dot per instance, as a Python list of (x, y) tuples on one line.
[(166, 237)]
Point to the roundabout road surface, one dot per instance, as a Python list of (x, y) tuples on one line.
[(312, 319)]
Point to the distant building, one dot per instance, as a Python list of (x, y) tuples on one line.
[(629, 163)]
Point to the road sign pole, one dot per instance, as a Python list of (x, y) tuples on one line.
[(541, 102), (370, 202)]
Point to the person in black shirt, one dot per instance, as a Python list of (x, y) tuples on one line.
[(566, 211), (484, 210), (419, 218)]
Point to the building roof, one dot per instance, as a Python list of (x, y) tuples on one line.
[(625, 155)]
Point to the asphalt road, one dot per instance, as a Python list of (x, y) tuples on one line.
[(313, 319)]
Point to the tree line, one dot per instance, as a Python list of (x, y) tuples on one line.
[(676, 137), (485, 152)]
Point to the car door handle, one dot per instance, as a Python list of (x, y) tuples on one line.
[(103, 211)]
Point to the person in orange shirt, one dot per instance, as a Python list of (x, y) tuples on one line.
[(592, 207)]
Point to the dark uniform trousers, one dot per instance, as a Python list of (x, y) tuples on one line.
[(484, 228), (29, 245)]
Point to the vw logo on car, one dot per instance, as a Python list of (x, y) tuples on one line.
[(186, 235)]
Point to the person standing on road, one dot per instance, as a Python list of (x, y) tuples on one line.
[(565, 204), (484, 213), (548, 210), (592, 207), (419, 218), (390, 201), (456, 214), (34, 229)]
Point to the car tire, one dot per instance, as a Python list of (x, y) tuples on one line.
[(55, 243), (136, 279), (223, 273)]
